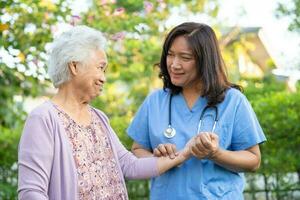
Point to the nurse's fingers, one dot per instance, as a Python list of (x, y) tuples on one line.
[(157, 153), (214, 141), (197, 153), (200, 144), (162, 149), (214, 137), (206, 140), (171, 150), (167, 150)]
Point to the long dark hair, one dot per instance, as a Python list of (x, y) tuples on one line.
[(210, 64)]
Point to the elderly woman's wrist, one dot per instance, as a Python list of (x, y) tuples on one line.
[(183, 156)]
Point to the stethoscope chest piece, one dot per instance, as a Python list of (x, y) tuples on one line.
[(170, 132)]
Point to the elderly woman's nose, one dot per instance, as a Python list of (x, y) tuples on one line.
[(102, 77)]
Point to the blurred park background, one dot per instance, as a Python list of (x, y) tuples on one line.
[(260, 42)]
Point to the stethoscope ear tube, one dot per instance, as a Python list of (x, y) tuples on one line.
[(202, 115), (213, 129)]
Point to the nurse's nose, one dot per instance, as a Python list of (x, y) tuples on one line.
[(176, 63)]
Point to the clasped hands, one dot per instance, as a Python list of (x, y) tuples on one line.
[(204, 145)]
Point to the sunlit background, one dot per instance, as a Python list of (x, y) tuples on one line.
[(260, 42)]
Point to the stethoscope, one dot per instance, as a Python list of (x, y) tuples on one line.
[(170, 131)]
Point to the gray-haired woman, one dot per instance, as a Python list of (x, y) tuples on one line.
[(68, 150)]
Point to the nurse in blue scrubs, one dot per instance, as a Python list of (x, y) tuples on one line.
[(200, 105)]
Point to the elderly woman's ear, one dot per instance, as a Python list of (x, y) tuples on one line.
[(73, 68)]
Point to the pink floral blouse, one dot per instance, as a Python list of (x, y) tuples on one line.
[(98, 176)]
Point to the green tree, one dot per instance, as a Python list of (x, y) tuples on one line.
[(26, 27), (280, 155), (278, 113), (290, 9)]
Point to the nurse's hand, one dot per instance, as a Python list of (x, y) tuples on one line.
[(166, 150), (205, 145)]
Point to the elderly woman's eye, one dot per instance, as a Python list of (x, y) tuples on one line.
[(101, 67)]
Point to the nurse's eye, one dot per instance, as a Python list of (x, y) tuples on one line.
[(170, 54), (187, 58)]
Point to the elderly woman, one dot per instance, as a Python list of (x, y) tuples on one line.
[(68, 150)]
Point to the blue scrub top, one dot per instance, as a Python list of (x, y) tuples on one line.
[(237, 128)]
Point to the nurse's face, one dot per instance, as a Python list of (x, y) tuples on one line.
[(181, 64)]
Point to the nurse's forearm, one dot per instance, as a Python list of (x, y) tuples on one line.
[(238, 161)]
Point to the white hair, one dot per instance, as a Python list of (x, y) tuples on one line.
[(75, 45)]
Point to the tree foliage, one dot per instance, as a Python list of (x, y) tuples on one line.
[(283, 136), (278, 112), (290, 9), (26, 27)]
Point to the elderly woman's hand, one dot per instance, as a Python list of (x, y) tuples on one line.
[(204, 145), (167, 149)]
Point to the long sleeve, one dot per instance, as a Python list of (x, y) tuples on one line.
[(35, 159), (133, 167)]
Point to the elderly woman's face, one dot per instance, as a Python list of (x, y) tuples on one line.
[(91, 78)]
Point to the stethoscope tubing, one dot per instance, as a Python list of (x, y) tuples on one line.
[(200, 120), (202, 115)]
